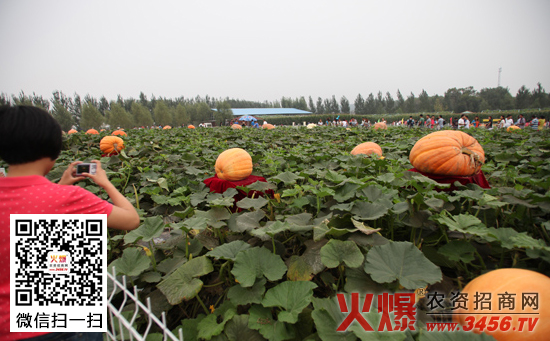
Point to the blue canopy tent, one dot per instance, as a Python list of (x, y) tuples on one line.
[(247, 118)]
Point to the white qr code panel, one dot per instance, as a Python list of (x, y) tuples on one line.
[(58, 265)]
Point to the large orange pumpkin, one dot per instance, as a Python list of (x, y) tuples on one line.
[(514, 282), (191, 126), (380, 125), (120, 132), (167, 127), (512, 128), (268, 126), (92, 131), (111, 144), (447, 152), (367, 148), (236, 126), (234, 164), (72, 131)]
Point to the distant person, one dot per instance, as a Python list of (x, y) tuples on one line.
[(534, 123), (509, 122), (26, 190), (501, 122), (489, 124), (542, 122), (421, 121), (440, 122), (461, 122), (320, 123), (476, 122), (521, 121), (466, 122), (410, 122)]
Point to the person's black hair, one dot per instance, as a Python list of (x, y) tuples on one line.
[(28, 134)]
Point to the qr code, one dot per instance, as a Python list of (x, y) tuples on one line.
[(59, 261)]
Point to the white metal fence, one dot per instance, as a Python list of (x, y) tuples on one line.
[(121, 323)]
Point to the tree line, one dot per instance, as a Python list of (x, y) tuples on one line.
[(89, 112)]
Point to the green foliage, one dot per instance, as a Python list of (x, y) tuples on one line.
[(119, 117), (62, 116), (271, 266), (91, 118), (142, 115), (163, 115)]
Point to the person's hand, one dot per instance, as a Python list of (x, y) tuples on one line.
[(69, 175), (100, 176)]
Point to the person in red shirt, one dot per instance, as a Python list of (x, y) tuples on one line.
[(30, 142)]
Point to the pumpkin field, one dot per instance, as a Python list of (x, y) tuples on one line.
[(269, 267)]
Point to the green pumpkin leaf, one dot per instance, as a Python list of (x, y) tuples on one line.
[(327, 317), (237, 330), (151, 228), (299, 269), (458, 250), (287, 177), (132, 263), (337, 251), (401, 261), (182, 284), (369, 211), (243, 296), (210, 327), (248, 203), (261, 320), (257, 263), (293, 297), (246, 221), (229, 251)]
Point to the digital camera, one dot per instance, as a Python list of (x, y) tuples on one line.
[(89, 168)]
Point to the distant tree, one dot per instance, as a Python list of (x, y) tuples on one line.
[(400, 102), (141, 115), (91, 117), (370, 105), (143, 99), (312, 105), (92, 101), (410, 103), (286, 102), (320, 106), (4, 99), (62, 116), (496, 98), (334, 106), (163, 115), (301, 104), (203, 114), (359, 105), (22, 99), (76, 109), (539, 97), (103, 105), (390, 103), (523, 98), (344, 105), (61, 98), (424, 102), (119, 117), (438, 104), (379, 105), (328, 106), (460, 100), (223, 113), (180, 116)]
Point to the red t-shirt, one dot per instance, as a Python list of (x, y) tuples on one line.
[(35, 195)]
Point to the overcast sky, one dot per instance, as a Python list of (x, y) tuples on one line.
[(263, 50)]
